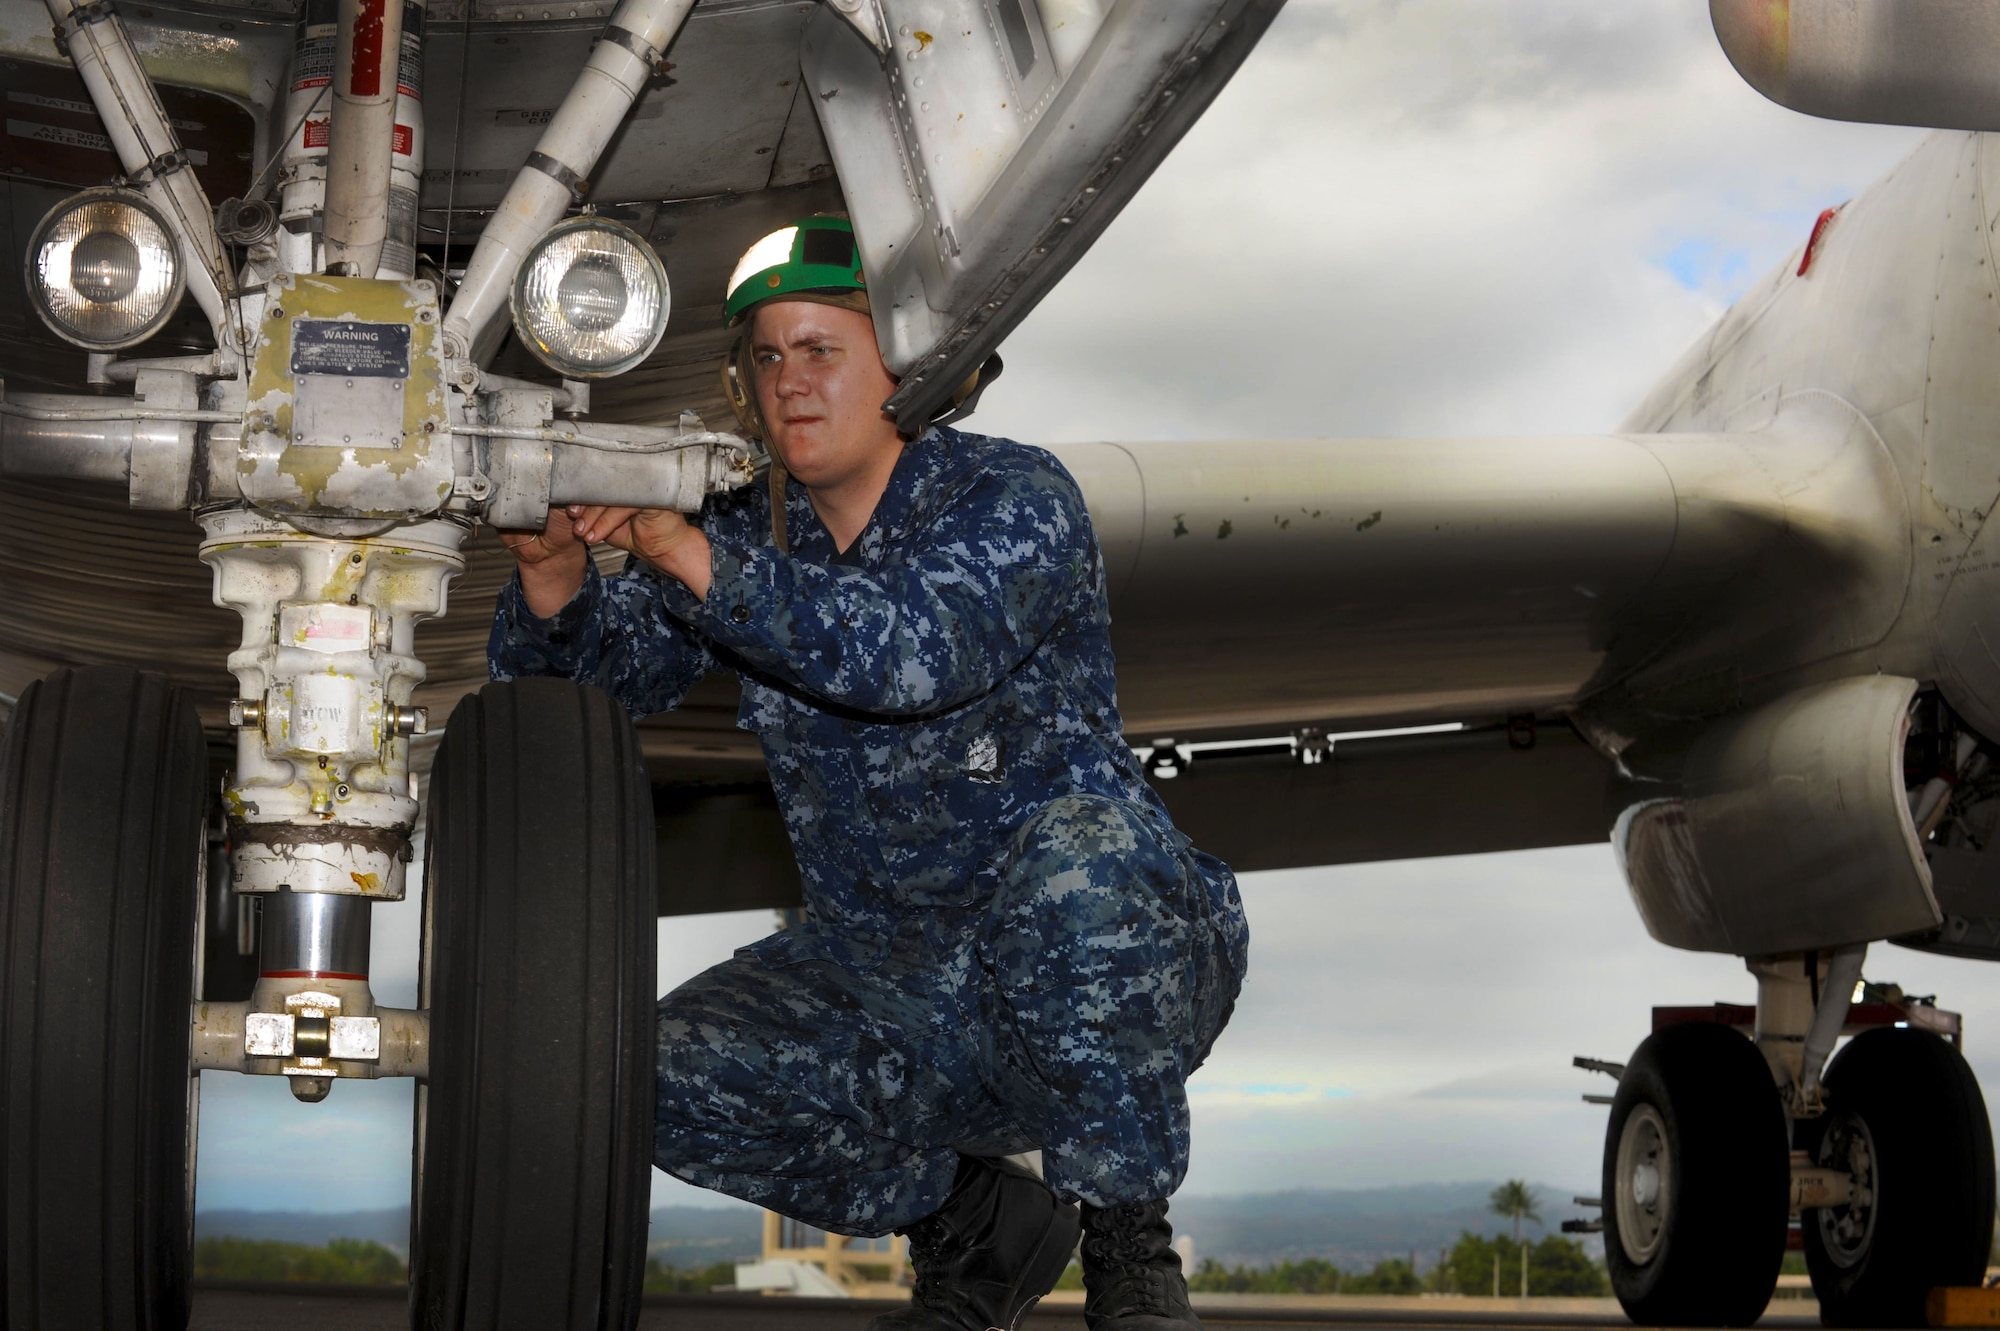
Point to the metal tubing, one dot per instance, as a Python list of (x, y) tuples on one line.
[(83, 451), (559, 168), (27, 407), (148, 148), (151, 449), (1784, 1011), (601, 436), (677, 480), (361, 139), (314, 936), (1842, 974), (217, 1030), (211, 365), (568, 396)]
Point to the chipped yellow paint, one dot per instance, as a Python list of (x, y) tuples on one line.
[(311, 467), (367, 882)]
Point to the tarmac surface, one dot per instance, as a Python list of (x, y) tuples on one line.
[(252, 1307)]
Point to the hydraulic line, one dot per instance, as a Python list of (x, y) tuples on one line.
[(148, 149), (361, 137), (559, 168)]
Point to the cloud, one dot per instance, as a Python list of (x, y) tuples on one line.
[(1449, 996), (1433, 217)]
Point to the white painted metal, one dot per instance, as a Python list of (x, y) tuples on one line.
[(1843, 976), (361, 134), (1643, 1174), (149, 150), (1815, 1186), (972, 145), (576, 136), (1782, 827), (242, 1037), (320, 800), (148, 446), (406, 160), (1784, 1012)]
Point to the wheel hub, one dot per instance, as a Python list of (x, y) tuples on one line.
[(1848, 1230), (1643, 1173)]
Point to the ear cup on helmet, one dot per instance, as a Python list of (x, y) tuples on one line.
[(739, 386)]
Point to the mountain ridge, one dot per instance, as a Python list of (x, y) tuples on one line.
[(1352, 1227)]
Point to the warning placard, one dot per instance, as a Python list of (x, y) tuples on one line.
[(343, 346)]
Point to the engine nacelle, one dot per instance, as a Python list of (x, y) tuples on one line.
[(1780, 828)]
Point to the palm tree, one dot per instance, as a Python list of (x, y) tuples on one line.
[(1517, 1199)]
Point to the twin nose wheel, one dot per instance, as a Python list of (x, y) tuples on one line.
[(1697, 1179), (534, 1130)]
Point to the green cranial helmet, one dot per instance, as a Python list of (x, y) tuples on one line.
[(814, 257)]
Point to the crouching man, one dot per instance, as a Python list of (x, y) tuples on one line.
[(1007, 947)]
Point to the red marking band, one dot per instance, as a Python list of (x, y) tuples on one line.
[(1812, 241), (364, 71), (310, 975)]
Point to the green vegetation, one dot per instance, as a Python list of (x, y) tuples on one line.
[(341, 1262), (1515, 1198), (1557, 1268), (697, 1280), (1314, 1275)]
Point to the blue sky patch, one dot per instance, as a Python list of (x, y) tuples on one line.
[(1702, 265)]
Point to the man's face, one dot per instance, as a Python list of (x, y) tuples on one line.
[(820, 386)]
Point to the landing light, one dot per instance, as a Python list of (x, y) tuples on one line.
[(591, 301), (103, 270)]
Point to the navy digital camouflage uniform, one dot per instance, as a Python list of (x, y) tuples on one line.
[(1006, 944)]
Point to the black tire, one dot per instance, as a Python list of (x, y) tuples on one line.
[(1708, 1249), (101, 799), (534, 1131), (1905, 1112)]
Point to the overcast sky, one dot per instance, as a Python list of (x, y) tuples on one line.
[(1403, 217)]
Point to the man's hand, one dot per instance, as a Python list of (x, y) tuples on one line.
[(663, 538), (551, 562)]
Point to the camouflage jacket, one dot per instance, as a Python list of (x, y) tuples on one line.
[(917, 696)]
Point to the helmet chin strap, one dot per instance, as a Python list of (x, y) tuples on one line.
[(775, 478), (742, 400)]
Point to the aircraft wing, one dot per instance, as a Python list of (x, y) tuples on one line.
[(1260, 591)]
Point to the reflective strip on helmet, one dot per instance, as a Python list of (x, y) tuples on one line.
[(772, 251)]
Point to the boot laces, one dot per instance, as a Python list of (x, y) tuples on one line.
[(1126, 1252), (928, 1241)]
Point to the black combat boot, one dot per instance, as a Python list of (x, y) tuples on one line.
[(999, 1242), (1131, 1274)]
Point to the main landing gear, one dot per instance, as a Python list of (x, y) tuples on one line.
[(1717, 1142), (534, 1044)]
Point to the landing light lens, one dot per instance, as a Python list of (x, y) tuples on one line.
[(591, 301), (103, 270)]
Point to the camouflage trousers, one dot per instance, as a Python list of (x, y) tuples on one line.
[(1063, 1009)]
